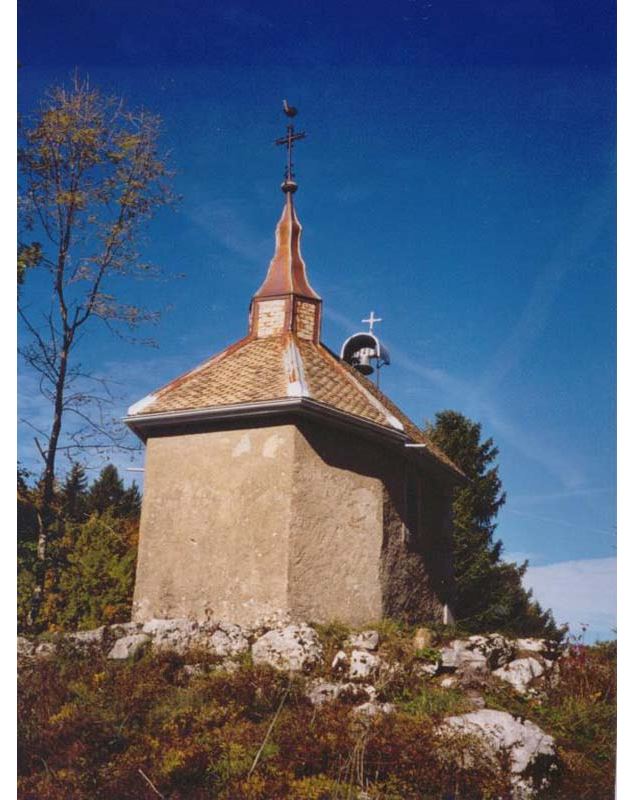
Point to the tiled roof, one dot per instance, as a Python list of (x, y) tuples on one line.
[(281, 367)]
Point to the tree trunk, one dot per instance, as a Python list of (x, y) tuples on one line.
[(46, 515)]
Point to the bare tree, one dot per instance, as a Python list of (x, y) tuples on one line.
[(90, 176)]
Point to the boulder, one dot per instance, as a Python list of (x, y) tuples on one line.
[(531, 751), (424, 669), (340, 663), (127, 646), (26, 648), (293, 648), (520, 673), (366, 640), (372, 709), (461, 652), (120, 629), (228, 640), (171, 634), (45, 649), (531, 645), (497, 650), (88, 640), (363, 665), (322, 692)]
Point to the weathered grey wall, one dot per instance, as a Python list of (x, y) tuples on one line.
[(305, 518), (336, 528), (353, 556), (215, 523)]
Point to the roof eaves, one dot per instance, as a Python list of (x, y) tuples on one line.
[(144, 425)]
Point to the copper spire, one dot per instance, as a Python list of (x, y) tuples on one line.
[(286, 300), (287, 270)]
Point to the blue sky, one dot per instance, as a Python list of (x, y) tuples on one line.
[(458, 178)]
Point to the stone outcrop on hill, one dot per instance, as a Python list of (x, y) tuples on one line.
[(356, 674)]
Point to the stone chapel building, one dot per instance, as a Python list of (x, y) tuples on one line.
[(279, 478)]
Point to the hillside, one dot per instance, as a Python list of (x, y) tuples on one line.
[(181, 710)]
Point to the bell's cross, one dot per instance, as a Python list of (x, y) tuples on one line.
[(372, 319)]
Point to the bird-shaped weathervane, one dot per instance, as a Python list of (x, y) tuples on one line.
[(289, 184), (290, 111)]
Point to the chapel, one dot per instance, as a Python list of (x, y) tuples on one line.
[(280, 479)]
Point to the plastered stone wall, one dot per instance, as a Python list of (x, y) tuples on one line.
[(215, 524), (336, 529), (297, 517), (357, 552)]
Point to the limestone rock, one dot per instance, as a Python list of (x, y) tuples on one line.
[(320, 692), (340, 662), (372, 708), (426, 668), (520, 673), (127, 646), (45, 649), (26, 648), (294, 648), (366, 640), (171, 634), (459, 652), (496, 648), (124, 629), (531, 645), (531, 751), (88, 640), (449, 683), (323, 692), (363, 665), (228, 640)]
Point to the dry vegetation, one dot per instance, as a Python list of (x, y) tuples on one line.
[(91, 729)]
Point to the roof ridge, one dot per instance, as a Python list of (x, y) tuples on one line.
[(293, 365), (391, 419)]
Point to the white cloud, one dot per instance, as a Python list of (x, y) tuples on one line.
[(578, 592)]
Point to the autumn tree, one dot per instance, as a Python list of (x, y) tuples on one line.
[(489, 590), (90, 176)]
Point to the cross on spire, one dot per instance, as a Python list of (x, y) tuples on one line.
[(288, 140), (372, 319)]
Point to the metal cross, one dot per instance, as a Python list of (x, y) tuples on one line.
[(371, 321), (288, 141)]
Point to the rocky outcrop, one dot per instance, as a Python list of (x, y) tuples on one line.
[(521, 673), (357, 676), (528, 750), (128, 646), (292, 648)]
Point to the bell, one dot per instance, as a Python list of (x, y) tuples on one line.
[(363, 364)]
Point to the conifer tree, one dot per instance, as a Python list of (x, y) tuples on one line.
[(73, 493), (108, 493), (95, 587), (489, 591)]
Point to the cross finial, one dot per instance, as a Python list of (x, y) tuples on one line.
[(372, 319), (289, 184)]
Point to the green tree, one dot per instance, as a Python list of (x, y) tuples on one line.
[(27, 530), (74, 495), (96, 585), (489, 591), (90, 177), (107, 493)]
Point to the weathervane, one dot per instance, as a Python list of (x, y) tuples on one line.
[(289, 184), (372, 319)]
